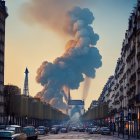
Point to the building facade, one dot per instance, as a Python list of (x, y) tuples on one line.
[(25, 110), (3, 15), (123, 96), (122, 90)]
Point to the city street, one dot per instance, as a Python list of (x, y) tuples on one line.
[(70, 69), (77, 135)]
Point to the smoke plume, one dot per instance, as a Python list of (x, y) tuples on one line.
[(80, 59), (49, 13), (86, 88)]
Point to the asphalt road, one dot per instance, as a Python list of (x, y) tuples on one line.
[(77, 135)]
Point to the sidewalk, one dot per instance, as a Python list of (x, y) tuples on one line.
[(125, 137)]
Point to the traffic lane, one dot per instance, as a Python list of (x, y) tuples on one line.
[(77, 135)]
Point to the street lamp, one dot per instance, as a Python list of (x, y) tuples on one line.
[(122, 115), (26, 118), (129, 119)]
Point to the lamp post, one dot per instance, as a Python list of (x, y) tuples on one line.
[(123, 116), (123, 122), (26, 118), (129, 119)]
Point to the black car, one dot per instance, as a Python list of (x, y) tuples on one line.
[(64, 130), (54, 130), (81, 129), (74, 128), (105, 131)]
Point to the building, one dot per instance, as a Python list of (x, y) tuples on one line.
[(93, 104), (122, 91), (3, 15), (26, 110), (12, 89), (75, 106), (124, 95)]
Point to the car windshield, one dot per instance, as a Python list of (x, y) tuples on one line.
[(10, 128), (6, 134)]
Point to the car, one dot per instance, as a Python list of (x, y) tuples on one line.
[(64, 130), (30, 132), (93, 130), (105, 131), (74, 128), (81, 129), (54, 130), (11, 135), (88, 129), (17, 130), (42, 130)]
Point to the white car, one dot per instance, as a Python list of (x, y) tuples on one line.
[(16, 129)]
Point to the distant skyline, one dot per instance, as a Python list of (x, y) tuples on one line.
[(28, 45)]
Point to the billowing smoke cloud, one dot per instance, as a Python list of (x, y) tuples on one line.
[(81, 59), (50, 13)]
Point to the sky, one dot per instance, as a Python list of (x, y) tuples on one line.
[(29, 44)]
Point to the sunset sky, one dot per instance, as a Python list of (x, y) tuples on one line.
[(28, 44)]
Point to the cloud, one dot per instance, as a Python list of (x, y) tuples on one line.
[(49, 13)]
